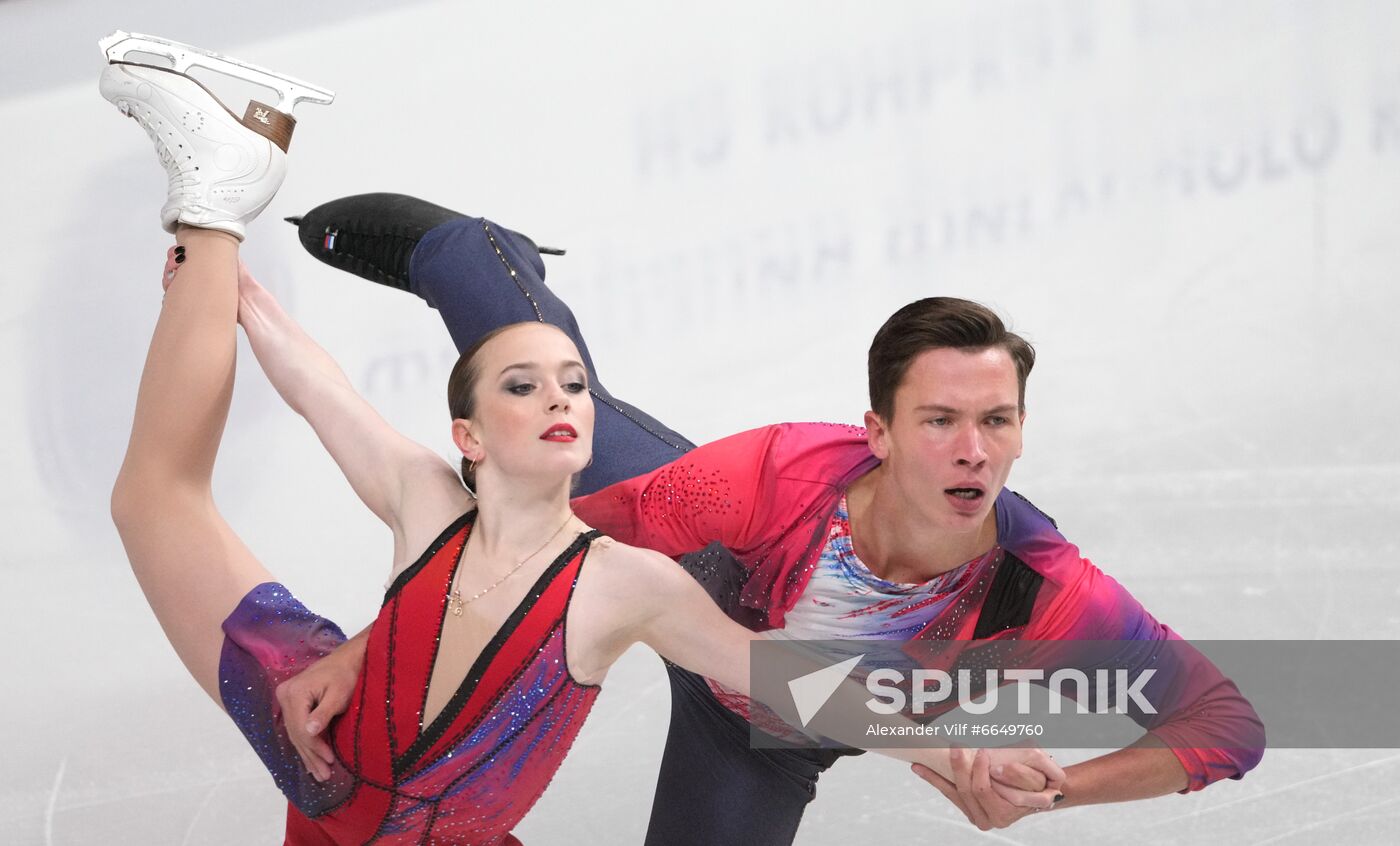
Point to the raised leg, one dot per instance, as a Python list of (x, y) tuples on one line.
[(222, 172), (464, 270), (480, 276), (193, 569)]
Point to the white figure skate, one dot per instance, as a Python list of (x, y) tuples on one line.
[(223, 169)]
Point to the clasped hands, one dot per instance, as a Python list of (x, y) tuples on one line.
[(996, 787)]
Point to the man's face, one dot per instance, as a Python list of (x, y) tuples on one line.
[(955, 432)]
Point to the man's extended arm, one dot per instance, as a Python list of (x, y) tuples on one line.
[(1205, 729), (1137, 772), (1202, 720), (1141, 771)]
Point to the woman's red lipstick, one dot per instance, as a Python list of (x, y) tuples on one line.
[(562, 432)]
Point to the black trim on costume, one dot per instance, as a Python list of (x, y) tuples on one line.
[(564, 620), (390, 638), (443, 721), (1036, 510), (1010, 599), (443, 605), (433, 548)]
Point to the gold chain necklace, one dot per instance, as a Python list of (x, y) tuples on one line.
[(457, 605)]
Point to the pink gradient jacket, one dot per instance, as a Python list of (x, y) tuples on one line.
[(769, 494)]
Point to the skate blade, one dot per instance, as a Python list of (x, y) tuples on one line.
[(120, 44)]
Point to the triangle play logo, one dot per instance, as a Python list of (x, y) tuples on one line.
[(810, 692)]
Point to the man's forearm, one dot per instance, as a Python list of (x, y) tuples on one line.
[(1137, 772), (353, 650)]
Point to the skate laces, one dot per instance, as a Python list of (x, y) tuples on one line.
[(387, 253), (180, 178)]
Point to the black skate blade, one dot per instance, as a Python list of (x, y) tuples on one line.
[(295, 221), (547, 251)]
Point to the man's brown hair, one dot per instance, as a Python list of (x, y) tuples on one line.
[(937, 323)]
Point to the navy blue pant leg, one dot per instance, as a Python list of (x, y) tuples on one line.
[(456, 269), (714, 789)]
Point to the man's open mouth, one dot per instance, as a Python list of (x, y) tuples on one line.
[(965, 493)]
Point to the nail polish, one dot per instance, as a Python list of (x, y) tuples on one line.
[(179, 258)]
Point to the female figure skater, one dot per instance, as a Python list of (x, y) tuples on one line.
[(493, 637)]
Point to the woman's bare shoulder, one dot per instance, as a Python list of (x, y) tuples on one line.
[(631, 568)]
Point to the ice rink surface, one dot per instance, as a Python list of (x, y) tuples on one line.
[(1192, 209)]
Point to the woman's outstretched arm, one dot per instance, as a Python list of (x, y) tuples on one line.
[(408, 486)]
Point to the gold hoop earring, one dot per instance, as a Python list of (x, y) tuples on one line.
[(471, 472)]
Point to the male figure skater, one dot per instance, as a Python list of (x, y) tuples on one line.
[(900, 530)]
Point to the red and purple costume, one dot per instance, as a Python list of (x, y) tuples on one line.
[(466, 777)]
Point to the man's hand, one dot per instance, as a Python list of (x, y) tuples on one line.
[(996, 802), (174, 257), (315, 696), (1027, 768)]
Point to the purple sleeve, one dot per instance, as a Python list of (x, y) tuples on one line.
[(1202, 716), (1205, 720)]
